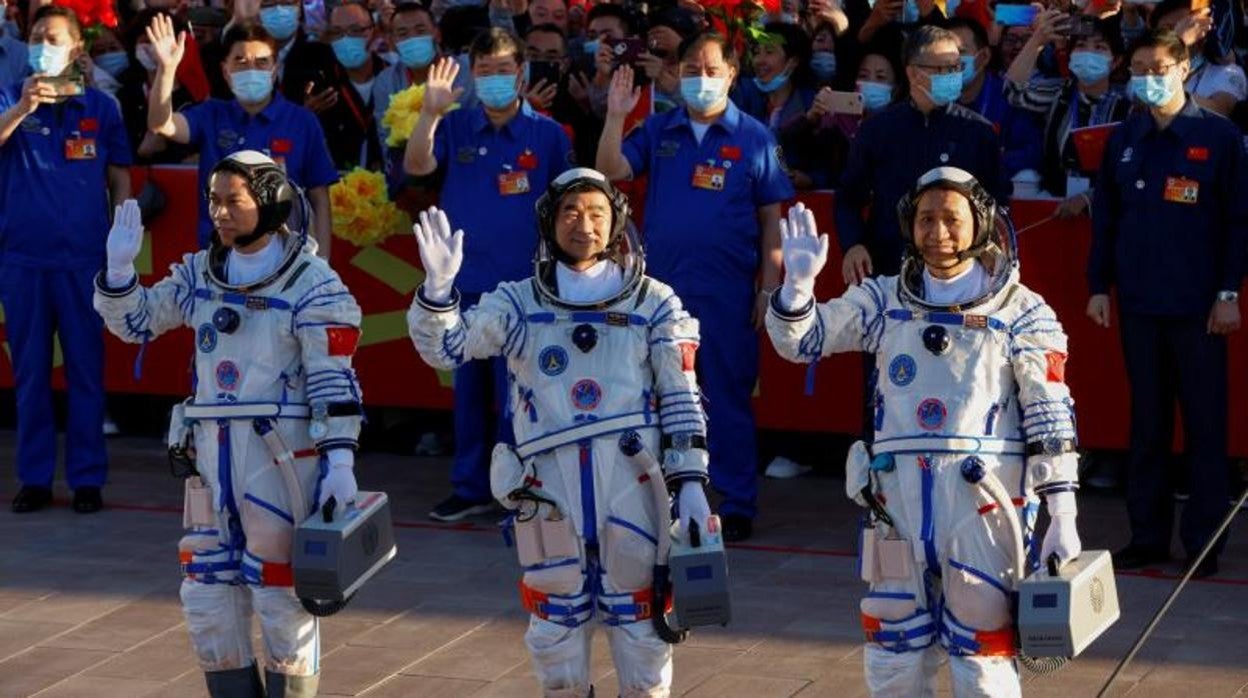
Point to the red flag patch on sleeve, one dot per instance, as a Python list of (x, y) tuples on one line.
[(688, 355), (1056, 361), (342, 340)]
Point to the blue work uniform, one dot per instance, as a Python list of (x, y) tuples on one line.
[(703, 238), (286, 132), (1018, 130), (889, 154), (13, 63), (491, 180), (54, 221), (1170, 230)]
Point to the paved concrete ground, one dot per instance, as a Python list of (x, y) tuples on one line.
[(88, 604)]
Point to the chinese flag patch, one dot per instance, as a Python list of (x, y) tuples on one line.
[(1196, 153), (1056, 361), (280, 145), (527, 160), (729, 152), (688, 354), (342, 340), (88, 124)]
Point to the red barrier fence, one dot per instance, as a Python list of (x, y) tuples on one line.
[(383, 278)]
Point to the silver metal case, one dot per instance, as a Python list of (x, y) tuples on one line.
[(333, 560), (1059, 616)]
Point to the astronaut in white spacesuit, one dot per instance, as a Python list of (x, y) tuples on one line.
[(594, 349), (273, 422), (973, 422)]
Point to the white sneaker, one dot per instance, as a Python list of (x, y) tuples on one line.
[(110, 427)]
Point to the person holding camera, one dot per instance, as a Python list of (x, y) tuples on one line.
[(63, 155)]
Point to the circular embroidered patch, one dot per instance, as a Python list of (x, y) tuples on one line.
[(206, 338), (586, 395), (553, 360), (227, 375), (931, 414), (901, 370)]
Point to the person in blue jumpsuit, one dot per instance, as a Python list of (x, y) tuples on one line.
[(1169, 233), (494, 160), (897, 145), (61, 158), (256, 119), (716, 182)]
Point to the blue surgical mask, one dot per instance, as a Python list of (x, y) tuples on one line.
[(251, 86), (875, 95), (113, 62), (1153, 90), (496, 91), (48, 59), (1089, 66), (968, 69), (701, 93), (351, 51), (775, 83), (823, 64), (417, 51), (591, 47), (280, 21), (946, 88)]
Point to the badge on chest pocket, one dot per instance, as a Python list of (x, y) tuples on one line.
[(709, 177), (1181, 190), (512, 183), (80, 149)]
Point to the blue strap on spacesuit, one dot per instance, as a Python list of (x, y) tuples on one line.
[(243, 299), (945, 318)]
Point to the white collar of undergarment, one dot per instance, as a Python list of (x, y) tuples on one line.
[(964, 287), (242, 269), (597, 283)]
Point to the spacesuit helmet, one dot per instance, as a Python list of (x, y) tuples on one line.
[(623, 245), (993, 242), (274, 194)]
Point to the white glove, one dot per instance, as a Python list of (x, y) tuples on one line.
[(441, 253), (1063, 535), (125, 239), (805, 252), (691, 504), (339, 482)]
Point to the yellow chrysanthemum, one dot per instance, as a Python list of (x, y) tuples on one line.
[(361, 213), (400, 117)]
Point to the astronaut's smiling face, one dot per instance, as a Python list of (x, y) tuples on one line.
[(583, 226), (944, 225), (231, 207)]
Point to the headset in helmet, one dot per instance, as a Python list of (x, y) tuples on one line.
[(267, 182)]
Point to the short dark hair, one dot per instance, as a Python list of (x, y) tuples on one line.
[(408, 6), (975, 28), (1163, 39), (1107, 30), (619, 12), (49, 11), (244, 33), (496, 41), (547, 28), (923, 37), (702, 38)]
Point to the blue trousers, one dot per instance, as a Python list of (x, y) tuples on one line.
[(480, 387), (727, 367), (1169, 358), (39, 303)]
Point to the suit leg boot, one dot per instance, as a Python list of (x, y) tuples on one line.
[(288, 686), (235, 683)]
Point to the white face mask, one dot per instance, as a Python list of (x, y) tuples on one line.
[(143, 53)]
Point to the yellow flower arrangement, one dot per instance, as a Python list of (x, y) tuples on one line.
[(401, 115), (362, 215)]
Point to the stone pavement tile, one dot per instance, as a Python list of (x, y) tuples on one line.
[(343, 628), (405, 686), (126, 627), (1194, 686), (67, 607), (12, 598), (422, 630), (188, 685), (485, 654), (41, 667), (806, 666), (518, 688), (19, 635), (379, 602), (695, 665), (351, 670), (844, 682), (97, 686), (163, 658), (733, 685)]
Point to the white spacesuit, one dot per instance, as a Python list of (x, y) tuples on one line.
[(970, 410), (275, 331), (592, 353)]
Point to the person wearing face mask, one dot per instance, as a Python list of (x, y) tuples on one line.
[(779, 92), (983, 93), (906, 139), (415, 38), (1088, 98), (1170, 235), (62, 155), (272, 426), (716, 183), (564, 98), (136, 84), (348, 120), (1214, 84), (257, 118), (493, 160)]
